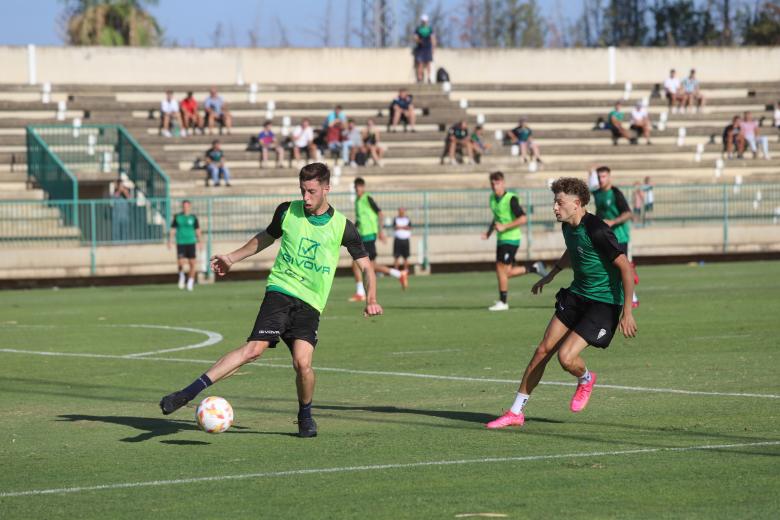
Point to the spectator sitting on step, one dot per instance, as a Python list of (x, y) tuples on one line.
[(334, 138), (189, 113), (303, 141), (733, 138), (750, 131), (672, 90), (169, 111), (215, 164), (268, 141), (458, 136), (402, 106), (521, 136), (640, 121), (691, 93), (217, 111), (336, 115), (615, 124), (373, 143), (353, 143), (478, 144)]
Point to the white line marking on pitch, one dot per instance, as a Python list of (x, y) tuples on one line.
[(211, 338), (396, 374), (378, 467), (408, 352)]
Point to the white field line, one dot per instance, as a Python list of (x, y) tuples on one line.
[(211, 338), (394, 374), (378, 467), (410, 352)]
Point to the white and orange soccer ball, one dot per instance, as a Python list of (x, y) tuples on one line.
[(214, 415)]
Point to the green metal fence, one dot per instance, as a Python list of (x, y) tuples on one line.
[(57, 154), (446, 212), (47, 170)]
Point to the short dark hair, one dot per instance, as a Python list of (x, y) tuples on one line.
[(189, 93), (494, 176), (572, 186), (185, 201), (268, 122), (215, 141), (315, 171), (603, 169), (360, 181)]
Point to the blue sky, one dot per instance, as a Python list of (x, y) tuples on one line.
[(193, 22)]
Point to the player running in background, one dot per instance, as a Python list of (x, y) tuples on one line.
[(311, 234), (369, 219), (186, 229), (589, 311), (612, 208), (402, 227), (508, 216)]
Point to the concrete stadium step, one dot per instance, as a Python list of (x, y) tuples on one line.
[(547, 87), (611, 95), (763, 100), (717, 112)]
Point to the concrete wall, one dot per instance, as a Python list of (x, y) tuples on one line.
[(66, 262), (105, 65)]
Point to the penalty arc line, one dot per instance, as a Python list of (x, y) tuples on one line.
[(211, 338), (378, 467), (393, 374)]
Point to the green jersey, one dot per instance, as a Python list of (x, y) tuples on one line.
[(610, 204), (367, 216), (308, 254), (592, 248), (185, 226), (506, 208)]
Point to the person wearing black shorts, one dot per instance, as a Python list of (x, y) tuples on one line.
[(402, 229), (186, 230), (590, 310), (311, 233)]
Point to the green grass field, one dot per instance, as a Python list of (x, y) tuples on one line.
[(401, 402)]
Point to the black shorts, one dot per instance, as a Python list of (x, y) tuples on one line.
[(595, 321), (370, 249), (186, 251), (285, 317), (505, 254), (401, 248)]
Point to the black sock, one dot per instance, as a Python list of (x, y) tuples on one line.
[(304, 410), (197, 387), (502, 295)]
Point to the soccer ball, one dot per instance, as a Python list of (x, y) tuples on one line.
[(214, 415)]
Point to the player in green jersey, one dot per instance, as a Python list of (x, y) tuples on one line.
[(312, 233), (508, 216), (586, 313), (186, 229), (613, 209), (369, 221)]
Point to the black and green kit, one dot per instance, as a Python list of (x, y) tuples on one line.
[(592, 304), (610, 204)]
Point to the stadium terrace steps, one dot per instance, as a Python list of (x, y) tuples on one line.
[(562, 117)]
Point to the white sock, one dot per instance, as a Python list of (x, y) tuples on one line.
[(190, 283), (586, 377), (519, 403), (634, 298), (181, 276), (359, 289), (395, 273)]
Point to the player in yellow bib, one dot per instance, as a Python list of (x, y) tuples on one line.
[(508, 216), (311, 232)]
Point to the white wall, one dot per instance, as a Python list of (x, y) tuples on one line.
[(106, 65)]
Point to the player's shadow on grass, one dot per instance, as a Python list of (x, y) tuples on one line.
[(454, 415), (150, 427)]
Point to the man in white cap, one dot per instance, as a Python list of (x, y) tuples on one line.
[(425, 41)]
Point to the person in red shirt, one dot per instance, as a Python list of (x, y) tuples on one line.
[(189, 113)]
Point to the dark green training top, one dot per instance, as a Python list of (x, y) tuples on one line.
[(610, 204), (592, 248)]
